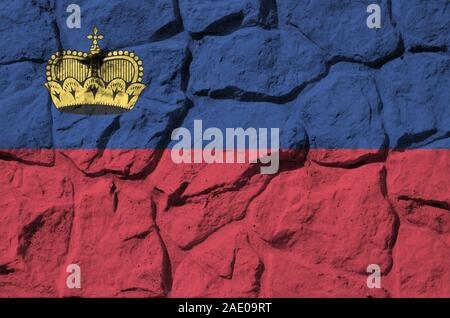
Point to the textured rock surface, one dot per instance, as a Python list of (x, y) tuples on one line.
[(365, 162), (413, 114), (217, 17), (21, 93), (329, 120), (336, 31), (225, 266), (18, 20), (423, 23), (149, 21), (318, 205), (258, 63)]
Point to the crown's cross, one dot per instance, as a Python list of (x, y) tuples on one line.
[(95, 38)]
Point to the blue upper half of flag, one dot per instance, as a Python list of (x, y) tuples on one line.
[(312, 69)]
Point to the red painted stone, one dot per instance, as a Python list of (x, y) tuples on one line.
[(224, 230)]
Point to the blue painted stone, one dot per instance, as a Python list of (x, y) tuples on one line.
[(339, 28), (286, 67), (423, 23), (343, 111), (224, 114), (25, 120), (123, 23), (253, 61), (416, 95), (218, 16), (26, 31)]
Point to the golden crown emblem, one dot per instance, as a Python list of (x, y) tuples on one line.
[(110, 81)]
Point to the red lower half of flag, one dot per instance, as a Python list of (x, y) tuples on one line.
[(137, 224)]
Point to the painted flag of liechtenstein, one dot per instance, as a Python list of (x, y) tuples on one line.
[(199, 148)]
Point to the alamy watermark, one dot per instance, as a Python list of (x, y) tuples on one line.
[(73, 280), (73, 21), (374, 279), (374, 19), (235, 145)]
